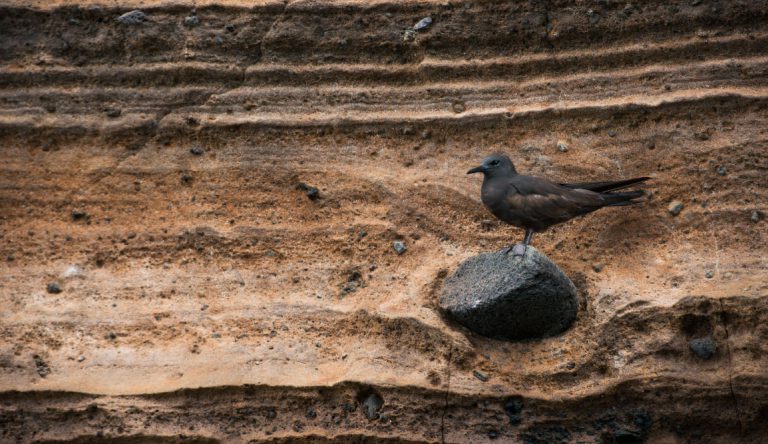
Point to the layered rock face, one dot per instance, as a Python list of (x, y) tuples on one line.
[(166, 277)]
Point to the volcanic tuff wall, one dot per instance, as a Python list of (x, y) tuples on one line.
[(203, 297)]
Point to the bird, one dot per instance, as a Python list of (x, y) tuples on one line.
[(536, 204)]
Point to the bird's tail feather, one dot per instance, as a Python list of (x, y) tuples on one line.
[(621, 199)]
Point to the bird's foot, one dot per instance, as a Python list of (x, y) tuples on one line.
[(518, 250)]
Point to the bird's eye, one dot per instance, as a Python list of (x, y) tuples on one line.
[(494, 163)]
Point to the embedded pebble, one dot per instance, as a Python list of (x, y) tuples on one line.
[(191, 21), (562, 146), (675, 207), (197, 150), (399, 247), (53, 288), (422, 24), (132, 17)]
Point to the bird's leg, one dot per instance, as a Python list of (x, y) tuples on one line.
[(519, 249)]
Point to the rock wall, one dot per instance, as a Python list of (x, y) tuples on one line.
[(165, 277)]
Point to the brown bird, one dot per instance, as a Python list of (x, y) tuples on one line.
[(536, 204)]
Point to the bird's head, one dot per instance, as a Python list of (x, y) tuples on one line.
[(495, 165)]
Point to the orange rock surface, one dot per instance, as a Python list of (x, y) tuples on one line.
[(205, 298)]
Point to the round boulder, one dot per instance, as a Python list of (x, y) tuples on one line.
[(503, 296)]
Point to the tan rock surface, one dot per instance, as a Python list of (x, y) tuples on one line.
[(206, 298)]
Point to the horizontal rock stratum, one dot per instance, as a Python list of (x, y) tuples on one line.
[(152, 292)]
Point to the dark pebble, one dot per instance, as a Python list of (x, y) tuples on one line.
[(186, 178), (611, 133), (79, 215), (111, 336), (191, 21), (755, 216), (113, 113), (196, 150), (42, 368), (132, 17), (513, 407), (371, 406), (230, 27), (481, 376), (704, 348), (598, 267), (493, 434), (53, 288), (721, 170), (311, 192), (311, 414)]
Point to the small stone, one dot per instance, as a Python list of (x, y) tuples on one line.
[(229, 27), (80, 358), (113, 113), (311, 414), (422, 24), (312, 192), (480, 375), (649, 145), (756, 215), (709, 274), (458, 107), (721, 170), (598, 267), (704, 348), (186, 178), (111, 336), (204, 307), (493, 434), (562, 146), (132, 18), (371, 406), (42, 368), (513, 407), (197, 150), (675, 207), (318, 345), (216, 335), (53, 288), (426, 134), (409, 35), (79, 215), (10, 258), (191, 21), (611, 133), (594, 17), (72, 271), (399, 247)]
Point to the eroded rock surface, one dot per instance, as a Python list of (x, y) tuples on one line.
[(504, 296), (217, 302)]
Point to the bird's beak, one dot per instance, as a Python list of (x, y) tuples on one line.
[(476, 170)]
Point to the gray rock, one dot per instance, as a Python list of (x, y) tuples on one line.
[(704, 347), (675, 207), (371, 406), (562, 146), (53, 288), (755, 216), (480, 375), (132, 17), (197, 150), (422, 24), (399, 247), (722, 170), (191, 21), (503, 296)]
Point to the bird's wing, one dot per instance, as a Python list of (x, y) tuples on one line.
[(601, 187), (538, 199)]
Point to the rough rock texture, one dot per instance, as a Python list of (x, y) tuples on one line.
[(206, 282), (503, 296)]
